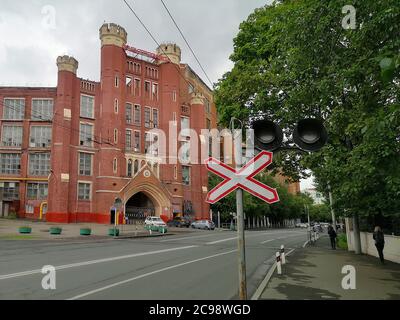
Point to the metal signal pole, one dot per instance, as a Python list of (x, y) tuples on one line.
[(240, 220)]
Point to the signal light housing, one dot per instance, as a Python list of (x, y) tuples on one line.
[(267, 135), (310, 135)]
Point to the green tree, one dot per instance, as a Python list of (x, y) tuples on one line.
[(293, 59)]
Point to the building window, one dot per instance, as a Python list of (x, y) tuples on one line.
[(11, 191), (115, 165), (86, 135), (115, 135), (116, 81), (175, 172), (39, 164), (151, 144), (136, 88), (137, 115), (129, 85), (11, 136), (129, 168), (185, 126), (85, 164), (10, 163), (40, 137), (207, 105), (135, 166), (42, 109), (128, 113), (84, 191), (208, 124), (37, 191), (14, 109), (174, 95), (154, 91), (186, 175), (190, 88), (155, 118), (87, 106), (116, 106), (147, 117), (185, 152), (147, 86), (128, 139), (136, 142)]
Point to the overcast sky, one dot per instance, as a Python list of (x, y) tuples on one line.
[(33, 33)]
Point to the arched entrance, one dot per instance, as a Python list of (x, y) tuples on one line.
[(138, 207)]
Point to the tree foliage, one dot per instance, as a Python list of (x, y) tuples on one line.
[(293, 59)]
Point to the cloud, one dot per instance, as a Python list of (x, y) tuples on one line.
[(30, 44)]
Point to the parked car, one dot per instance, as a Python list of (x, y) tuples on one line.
[(179, 222), (154, 221), (203, 224)]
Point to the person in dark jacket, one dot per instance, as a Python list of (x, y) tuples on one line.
[(332, 235), (379, 242)]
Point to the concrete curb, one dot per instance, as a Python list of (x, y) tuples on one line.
[(264, 283)]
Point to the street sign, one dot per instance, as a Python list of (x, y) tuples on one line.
[(242, 178)]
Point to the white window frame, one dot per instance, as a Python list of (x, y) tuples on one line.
[(37, 143), (85, 144), (91, 163), (20, 106), (12, 142), (51, 114), (90, 193), (38, 189), (190, 178), (80, 106), (39, 172)]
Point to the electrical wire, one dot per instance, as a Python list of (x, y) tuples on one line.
[(187, 43)]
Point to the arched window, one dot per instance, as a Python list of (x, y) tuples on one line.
[(115, 135), (136, 166), (115, 165), (129, 170), (116, 105)]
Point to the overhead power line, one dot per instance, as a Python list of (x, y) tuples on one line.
[(155, 41), (187, 43)]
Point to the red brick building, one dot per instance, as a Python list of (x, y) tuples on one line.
[(68, 152)]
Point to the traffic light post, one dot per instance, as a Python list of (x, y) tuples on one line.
[(309, 135)]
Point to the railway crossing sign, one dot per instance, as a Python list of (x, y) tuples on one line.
[(242, 178)]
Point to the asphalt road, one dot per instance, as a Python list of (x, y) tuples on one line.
[(195, 265)]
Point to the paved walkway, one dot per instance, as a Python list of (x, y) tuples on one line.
[(40, 230), (314, 273)]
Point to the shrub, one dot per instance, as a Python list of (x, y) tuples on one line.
[(342, 241)]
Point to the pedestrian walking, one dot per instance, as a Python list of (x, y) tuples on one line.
[(332, 236), (379, 242)]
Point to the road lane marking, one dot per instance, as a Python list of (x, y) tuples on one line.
[(148, 274), (252, 236), (268, 241), (223, 240), (183, 238), (86, 263)]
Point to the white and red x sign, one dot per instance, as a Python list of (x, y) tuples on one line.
[(242, 178)]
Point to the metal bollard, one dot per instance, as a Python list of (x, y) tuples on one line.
[(278, 263), (283, 258)]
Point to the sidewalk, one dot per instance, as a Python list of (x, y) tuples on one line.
[(314, 273), (40, 230)]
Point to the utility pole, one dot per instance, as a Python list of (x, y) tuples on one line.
[(356, 233), (219, 220), (240, 220), (308, 219), (331, 205)]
